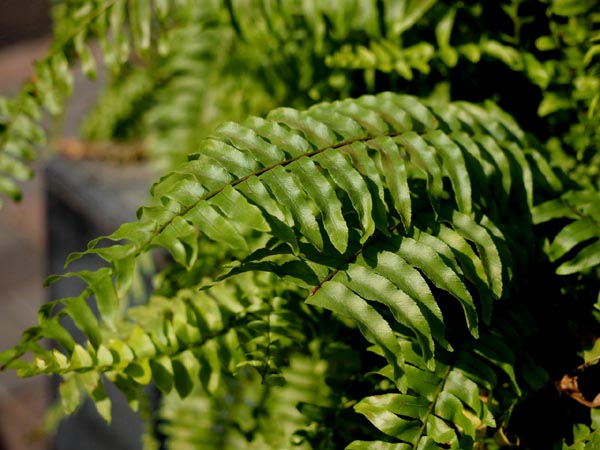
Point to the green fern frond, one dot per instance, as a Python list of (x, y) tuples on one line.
[(242, 169), (196, 335), (453, 405), (121, 26), (577, 244), (373, 207), (443, 409), (384, 56), (247, 414)]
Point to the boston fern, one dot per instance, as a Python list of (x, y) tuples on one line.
[(381, 210), (375, 272)]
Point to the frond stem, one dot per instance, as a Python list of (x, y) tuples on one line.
[(431, 407), (356, 254)]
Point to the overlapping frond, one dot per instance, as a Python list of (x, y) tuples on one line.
[(193, 336), (443, 408), (247, 414)]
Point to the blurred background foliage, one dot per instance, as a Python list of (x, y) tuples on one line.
[(223, 60), (178, 68)]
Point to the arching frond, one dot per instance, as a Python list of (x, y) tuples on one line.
[(375, 208)]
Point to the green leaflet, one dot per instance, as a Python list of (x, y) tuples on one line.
[(372, 122), (315, 131), (94, 387), (409, 280), (469, 394), (434, 267), (338, 298), (70, 393), (291, 143), (246, 139), (482, 238), (437, 401), (183, 376), (141, 344), (571, 235), (181, 239), (402, 15), (343, 125), (349, 180), (216, 226), (587, 258), (525, 173), (423, 118), (362, 159), (319, 188), (443, 32), (162, 373), (78, 309), (371, 286), (454, 163), (234, 160), (583, 233), (392, 165), (497, 155), (472, 267), (288, 190), (553, 209), (181, 188), (210, 173), (100, 283), (241, 213), (425, 158), (388, 422), (399, 120)]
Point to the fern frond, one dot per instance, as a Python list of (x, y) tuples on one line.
[(384, 56), (452, 405), (240, 169), (372, 207), (120, 26), (246, 413), (578, 242), (196, 335)]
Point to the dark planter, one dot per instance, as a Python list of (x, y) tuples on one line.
[(86, 199)]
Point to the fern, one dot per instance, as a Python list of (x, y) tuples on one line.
[(364, 269), (120, 27), (379, 209), (583, 230)]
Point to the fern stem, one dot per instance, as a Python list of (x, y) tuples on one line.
[(356, 254), (431, 407)]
